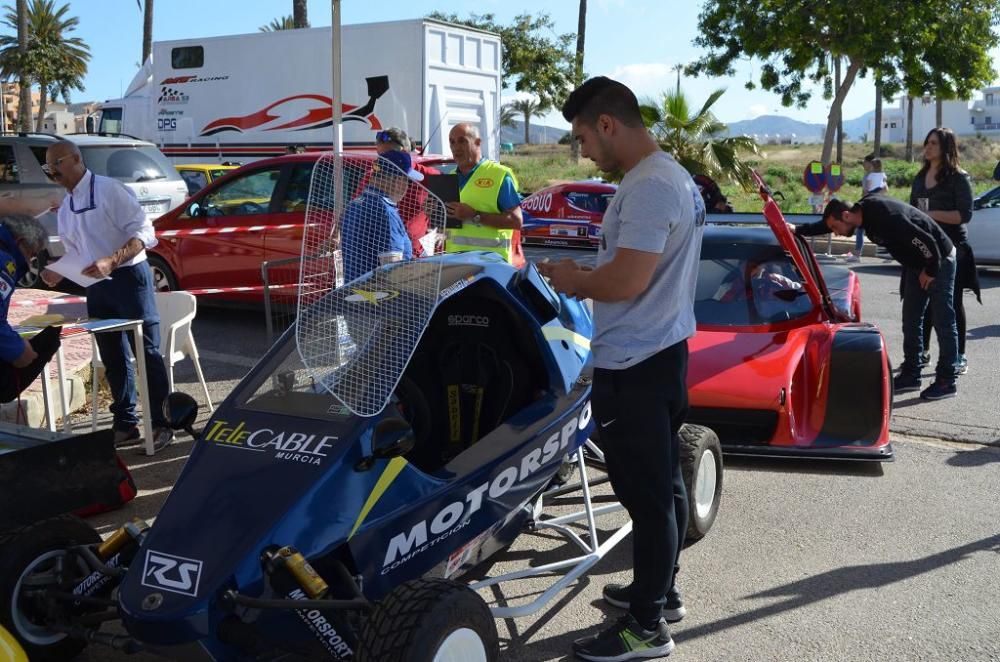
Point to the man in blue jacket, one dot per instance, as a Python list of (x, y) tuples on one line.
[(371, 222), (21, 361)]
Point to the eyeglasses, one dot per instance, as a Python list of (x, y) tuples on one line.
[(48, 167)]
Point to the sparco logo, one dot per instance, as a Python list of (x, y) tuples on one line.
[(468, 320), (456, 515), (172, 573), (322, 628)]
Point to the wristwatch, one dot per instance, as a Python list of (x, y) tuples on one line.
[(477, 219)]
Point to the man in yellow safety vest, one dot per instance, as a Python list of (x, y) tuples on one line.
[(490, 207)]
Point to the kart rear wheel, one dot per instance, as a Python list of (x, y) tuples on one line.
[(701, 466), (31, 556), (430, 620)]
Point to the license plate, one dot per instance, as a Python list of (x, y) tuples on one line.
[(567, 231), (154, 207)]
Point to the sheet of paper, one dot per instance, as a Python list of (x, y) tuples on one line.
[(70, 266)]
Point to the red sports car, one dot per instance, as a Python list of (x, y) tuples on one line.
[(269, 194), (566, 214), (781, 363)]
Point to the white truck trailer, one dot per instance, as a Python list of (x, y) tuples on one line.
[(251, 96)]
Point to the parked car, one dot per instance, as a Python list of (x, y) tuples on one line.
[(984, 229), (782, 363), (199, 175), (271, 193), (136, 163), (567, 214)]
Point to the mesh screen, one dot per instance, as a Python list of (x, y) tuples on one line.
[(368, 229)]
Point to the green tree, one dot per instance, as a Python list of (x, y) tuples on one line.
[(909, 42), (54, 60), (533, 62), (282, 23), (528, 108), (300, 14), (698, 140)]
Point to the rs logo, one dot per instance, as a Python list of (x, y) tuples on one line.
[(171, 573)]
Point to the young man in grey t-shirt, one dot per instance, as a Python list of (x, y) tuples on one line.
[(643, 292)]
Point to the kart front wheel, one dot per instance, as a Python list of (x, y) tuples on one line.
[(31, 559), (701, 466), (430, 620)]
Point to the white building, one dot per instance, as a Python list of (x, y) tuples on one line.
[(954, 115)]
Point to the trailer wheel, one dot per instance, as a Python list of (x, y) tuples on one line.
[(163, 278), (30, 557), (701, 466), (430, 620)]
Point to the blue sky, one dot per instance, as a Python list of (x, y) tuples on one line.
[(635, 41)]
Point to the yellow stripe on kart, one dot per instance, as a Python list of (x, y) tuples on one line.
[(392, 470), (562, 333), (10, 650)]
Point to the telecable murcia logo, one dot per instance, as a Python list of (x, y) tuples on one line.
[(286, 446)]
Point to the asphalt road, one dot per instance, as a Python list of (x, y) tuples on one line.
[(807, 561)]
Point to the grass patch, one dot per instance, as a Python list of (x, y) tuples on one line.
[(538, 166)]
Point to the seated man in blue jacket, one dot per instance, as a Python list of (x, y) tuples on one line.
[(371, 223), (21, 361)]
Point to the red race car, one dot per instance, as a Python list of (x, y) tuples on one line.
[(566, 214), (782, 364)]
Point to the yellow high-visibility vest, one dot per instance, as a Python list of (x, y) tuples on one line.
[(480, 192)]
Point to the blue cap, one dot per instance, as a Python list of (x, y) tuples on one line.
[(400, 160)]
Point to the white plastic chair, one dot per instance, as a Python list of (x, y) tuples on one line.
[(177, 310)]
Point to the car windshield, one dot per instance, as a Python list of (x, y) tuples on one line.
[(128, 163), (747, 284)]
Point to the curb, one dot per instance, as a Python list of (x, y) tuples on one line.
[(32, 403)]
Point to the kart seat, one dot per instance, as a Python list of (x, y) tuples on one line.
[(470, 373)]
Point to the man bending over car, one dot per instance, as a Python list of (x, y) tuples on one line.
[(643, 290), (916, 241)]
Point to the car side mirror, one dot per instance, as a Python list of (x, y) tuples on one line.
[(392, 437), (181, 411), (788, 295), (195, 210)]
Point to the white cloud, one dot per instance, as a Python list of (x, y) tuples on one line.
[(644, 78), (756, 110)]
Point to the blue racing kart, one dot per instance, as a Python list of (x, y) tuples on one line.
[(334, 500)]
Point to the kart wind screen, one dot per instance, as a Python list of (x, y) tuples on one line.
[(747, 285), (368, 228)]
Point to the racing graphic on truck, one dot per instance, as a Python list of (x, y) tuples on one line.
[(303, 112)]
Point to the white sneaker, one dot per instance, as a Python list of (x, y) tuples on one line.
[(850, 257)]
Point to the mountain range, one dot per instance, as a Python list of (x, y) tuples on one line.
[(769, 125), (807, 132)]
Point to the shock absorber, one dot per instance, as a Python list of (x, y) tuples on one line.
[(115, 552)]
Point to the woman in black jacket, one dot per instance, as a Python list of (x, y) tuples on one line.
[(945, 189)]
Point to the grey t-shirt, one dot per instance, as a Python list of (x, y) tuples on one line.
[(657, 209)]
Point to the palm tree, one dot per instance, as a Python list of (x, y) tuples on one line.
[(300, 17), (508, 116), (53, 58), (24, 100), (581, 35), (529, 108), (877, 148), (283, 23), (147, 30), (697, 141)]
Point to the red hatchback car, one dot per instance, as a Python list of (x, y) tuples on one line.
[(253, 214)]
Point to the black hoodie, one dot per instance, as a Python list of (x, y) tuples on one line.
[(913, 238)]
